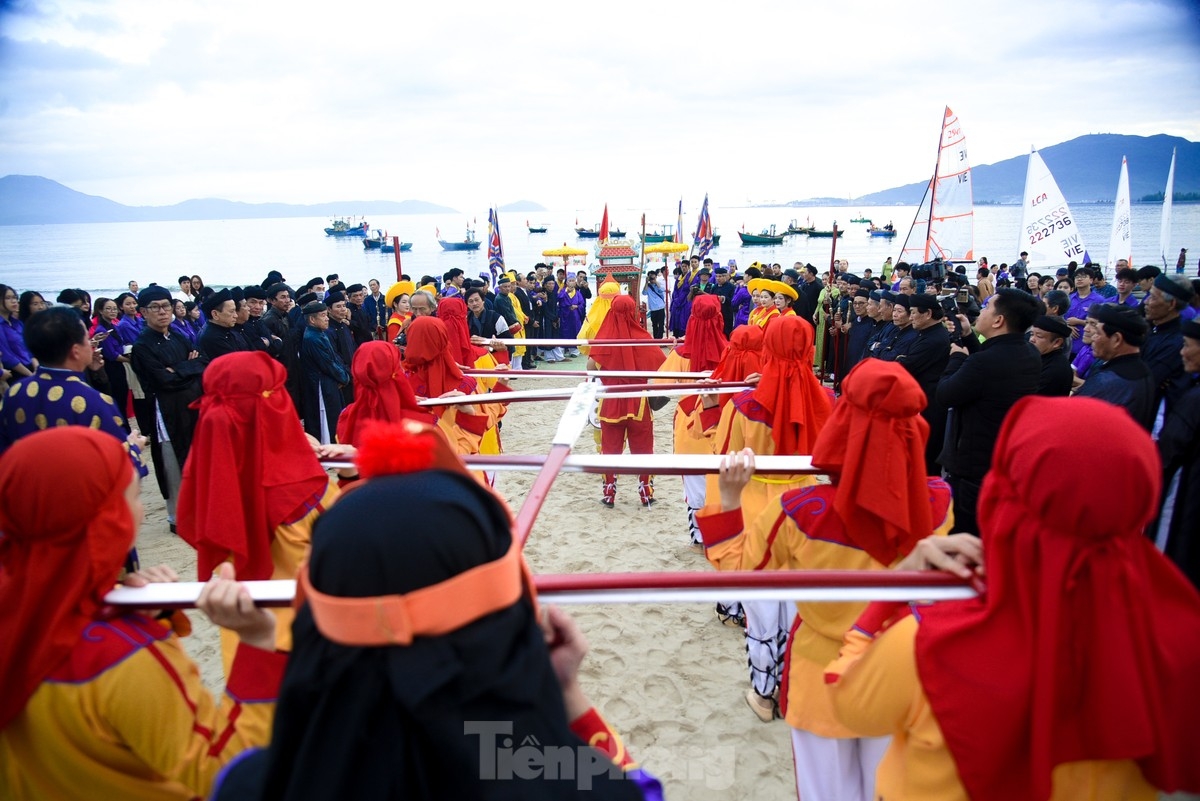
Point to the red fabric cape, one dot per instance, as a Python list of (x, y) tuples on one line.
[(788, 389), (428, 357), (704, 339), (250, 467), (381, 392), (1087, 643), (742, 356), (67, 530), (453, 313), (622, 322), (874, 446)]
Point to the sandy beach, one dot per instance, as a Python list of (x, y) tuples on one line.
[(670, 678)]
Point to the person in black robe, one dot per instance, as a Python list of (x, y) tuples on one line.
[(1124, 379), (724, 289), (323, 375), (926, 359), (169, 371), (341, 337), (1165, 301), (220, 336), (904, 333), (1177, 530), (253, 329), (361, 327), (1051, 335)]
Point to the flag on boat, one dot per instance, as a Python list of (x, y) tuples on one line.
[(704, 238), (495, 249), (437, 232), (604, 225)]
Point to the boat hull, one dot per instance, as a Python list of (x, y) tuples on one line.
[(759, 239), (887, 234), (799, 231), (457, 245), (584, 233), (404, 248), (533, 230), (826, 234), (372, 244), (654, 239)]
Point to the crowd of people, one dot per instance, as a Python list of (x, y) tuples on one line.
[(950, 417)]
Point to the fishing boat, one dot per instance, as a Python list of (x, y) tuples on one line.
[(888, 230), (536, 229), (665, 233), (373, 242), (827, 234), (767, 237), (795, 229), (587, 233), (388, 247), (616, 233), (862, 219), (343, 227), (1048, 230), (469, 243), (943, 227)]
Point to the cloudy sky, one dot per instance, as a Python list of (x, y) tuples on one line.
[(568, 104)]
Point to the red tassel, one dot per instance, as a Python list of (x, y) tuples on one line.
[(391, 448)]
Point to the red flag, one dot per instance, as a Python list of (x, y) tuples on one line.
[(604, 225), (437, 233)]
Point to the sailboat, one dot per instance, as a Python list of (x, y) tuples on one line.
[(1120, 240), (945, 223), (1048, 230), (1164, 233)]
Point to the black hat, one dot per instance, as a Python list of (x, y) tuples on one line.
[(878, 294), (315, 307), (721, 271), (306, 298), (1191, 329), (336, 296), (851, 278), (502, 280), (237, 294), (1053, 324), (1183, 292), (1122, 318), (891, 296), (275, 289), (926, 303), (704, 271), (255, 292), (273, 277), (151, 294), (900, 299), (215, 300), (792, 274), (863, 293), (313, 282), (328, 278), (350, 290)]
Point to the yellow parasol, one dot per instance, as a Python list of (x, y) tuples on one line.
[(564, 251), (665, 247)]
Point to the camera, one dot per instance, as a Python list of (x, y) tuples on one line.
[(930, 271), (949, 304)]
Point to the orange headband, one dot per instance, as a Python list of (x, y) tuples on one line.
[(428, 612)]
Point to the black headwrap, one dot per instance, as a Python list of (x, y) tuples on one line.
[(389, 722)]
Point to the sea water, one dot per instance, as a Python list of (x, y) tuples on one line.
[(103, 257)]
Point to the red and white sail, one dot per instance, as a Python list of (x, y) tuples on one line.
[(945, 223)]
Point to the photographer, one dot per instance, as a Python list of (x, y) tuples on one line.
[(980, 384)]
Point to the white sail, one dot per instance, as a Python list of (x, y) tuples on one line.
[(1164, 232), (1048, 230), (1120, 241), (945, 223)]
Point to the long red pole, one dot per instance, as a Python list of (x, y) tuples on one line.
[(399, 269)]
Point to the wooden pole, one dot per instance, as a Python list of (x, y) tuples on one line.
[(399, 269)]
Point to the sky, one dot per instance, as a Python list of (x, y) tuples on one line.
[(571, 105)]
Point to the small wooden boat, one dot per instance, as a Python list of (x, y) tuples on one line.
[(470, 243), (587, 233), (536, 229), (861, 219), (886, 231), (826, 234), (767, 237), (344, 228), (795, 229), (616, 234), (665, 233), (388, 247)]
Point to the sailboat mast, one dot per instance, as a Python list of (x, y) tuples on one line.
[(937, 165)]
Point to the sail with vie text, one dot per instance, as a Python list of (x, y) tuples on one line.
[(945, 223), (1048, 230)]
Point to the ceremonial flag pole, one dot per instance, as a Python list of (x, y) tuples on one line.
[(396, 250), (495, 247), (674, 587)]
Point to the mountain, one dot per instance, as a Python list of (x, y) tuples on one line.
[(1086, 169), (33, 200), (523, 206)]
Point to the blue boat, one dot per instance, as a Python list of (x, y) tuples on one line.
[(886, 230), (470, 243), (387, 247), (344, 228)]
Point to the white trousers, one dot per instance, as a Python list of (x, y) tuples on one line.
[(767, 626), (836, 770)]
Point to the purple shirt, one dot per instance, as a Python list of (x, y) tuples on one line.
[(1084, 361), (1078, 308), (742, 303)]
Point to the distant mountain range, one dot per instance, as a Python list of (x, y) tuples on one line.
[(1085, 168), (33, 200)]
